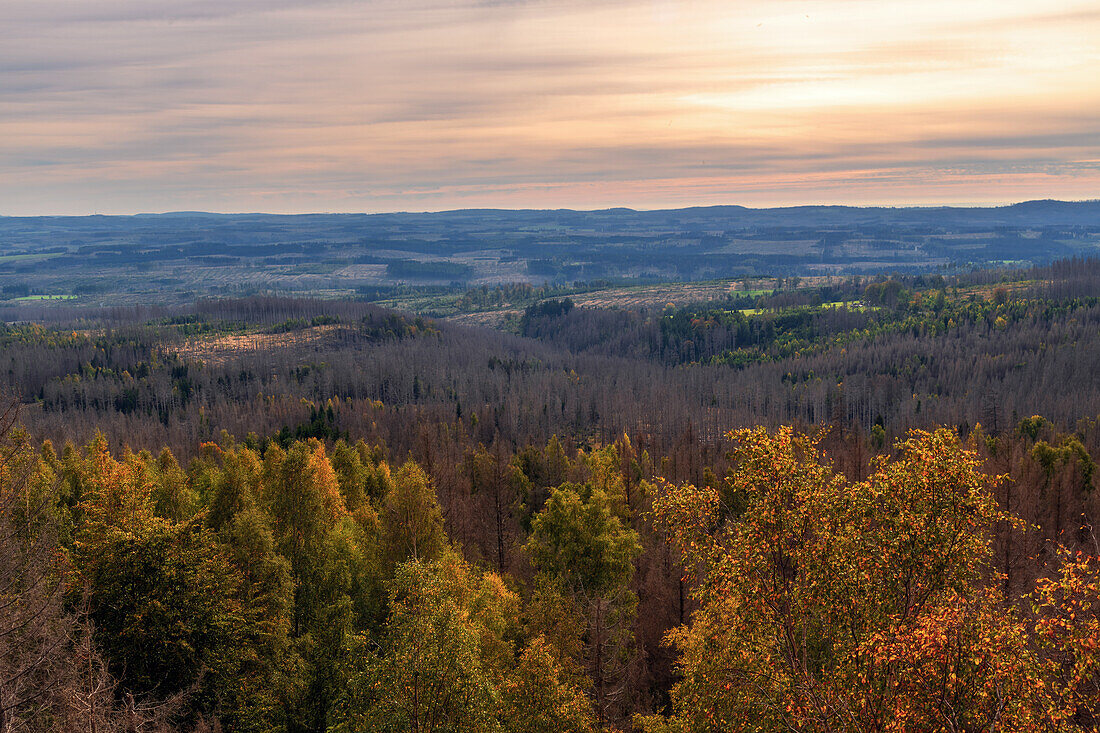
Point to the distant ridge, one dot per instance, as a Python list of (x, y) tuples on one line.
[(1065, 212)]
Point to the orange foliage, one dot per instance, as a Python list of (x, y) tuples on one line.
[(827, 604)]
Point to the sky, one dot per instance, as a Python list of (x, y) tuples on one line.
[(286, 106)]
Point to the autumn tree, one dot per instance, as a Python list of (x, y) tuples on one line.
[(52, 676), (827, 604), (162, 595), (537, 697), (1068, 629)]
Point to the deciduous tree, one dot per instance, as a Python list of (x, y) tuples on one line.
[(838, 605)]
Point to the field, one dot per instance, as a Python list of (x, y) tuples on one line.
[(42, 298), (9, 258)]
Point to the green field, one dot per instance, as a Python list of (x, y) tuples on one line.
[(30, 298)]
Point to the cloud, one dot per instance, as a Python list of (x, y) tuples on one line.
[(123, 105)]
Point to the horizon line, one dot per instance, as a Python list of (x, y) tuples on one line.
[(197, 212)]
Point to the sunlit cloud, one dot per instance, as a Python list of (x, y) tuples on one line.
[(123, 106)]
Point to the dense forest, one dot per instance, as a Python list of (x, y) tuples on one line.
[(865, 504)]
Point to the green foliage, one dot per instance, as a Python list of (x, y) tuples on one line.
[(548, 309), (236, 487), (164, 601), (305, 505), (394, 326), (553, 614), (449, 659), (605, 470), (878, 436), (429, 672), (308, 522), (1032, 427), (1068, 452), (578, 543), (299, 324), (320, 426), (364, 479), (769, 331), (173, 496), (512, 295), (890, 293), (271, 669), (577, 539), (412, 521), (175, 607)]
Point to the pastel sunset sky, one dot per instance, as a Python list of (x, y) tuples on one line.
[(125, 106)]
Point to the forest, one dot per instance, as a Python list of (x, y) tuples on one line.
[(861, 503)]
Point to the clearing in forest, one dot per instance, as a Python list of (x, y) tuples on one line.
[(220, 349)]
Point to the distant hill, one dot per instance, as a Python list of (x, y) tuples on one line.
[(181, 255)]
